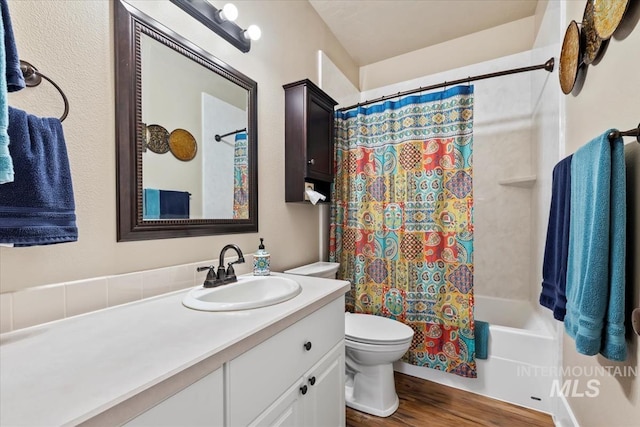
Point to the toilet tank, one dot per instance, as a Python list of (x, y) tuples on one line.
[(326, 270)]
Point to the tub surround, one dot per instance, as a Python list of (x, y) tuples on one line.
[(111, 365)]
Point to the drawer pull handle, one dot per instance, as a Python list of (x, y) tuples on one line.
[(303, 389), (307, 345), (311, 162), (312, 380)]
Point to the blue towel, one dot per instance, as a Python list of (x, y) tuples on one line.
[(38, 208), (174, 204), (151, 204), (595, 266), (482, 339), (11, 81), (15, 80), (554, 267), (6, 163)]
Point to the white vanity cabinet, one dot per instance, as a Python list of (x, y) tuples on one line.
[(295, 377), (172, 366), (200, 404)]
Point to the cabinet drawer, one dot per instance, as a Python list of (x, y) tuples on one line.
[(259, 376)]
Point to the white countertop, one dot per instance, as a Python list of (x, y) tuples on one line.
[(68, 371)]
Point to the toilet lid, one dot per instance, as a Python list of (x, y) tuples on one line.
[(367, 328)]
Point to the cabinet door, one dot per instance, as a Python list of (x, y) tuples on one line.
[(324, 403), (200, 404), (319, 141), (284, 412), (259, 376)]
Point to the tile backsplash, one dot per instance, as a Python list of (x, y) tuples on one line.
[(33, 306)]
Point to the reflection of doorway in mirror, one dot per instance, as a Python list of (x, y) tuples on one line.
[(219, 157)]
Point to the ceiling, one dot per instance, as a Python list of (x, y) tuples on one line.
[(373, 30)]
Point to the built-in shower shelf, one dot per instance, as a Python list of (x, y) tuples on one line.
[(519, 181)]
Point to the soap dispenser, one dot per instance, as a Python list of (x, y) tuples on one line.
[(261, 261)]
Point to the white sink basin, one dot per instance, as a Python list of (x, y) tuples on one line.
[(248, 292)]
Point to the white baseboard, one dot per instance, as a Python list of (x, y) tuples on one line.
[(563, 415)]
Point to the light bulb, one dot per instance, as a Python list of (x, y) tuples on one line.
[(229, 12), (253, 32)]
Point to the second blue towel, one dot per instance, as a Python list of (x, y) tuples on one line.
[(554, 267), (596, 260)]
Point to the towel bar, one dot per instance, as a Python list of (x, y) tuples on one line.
[(632, 132), (33, 77)]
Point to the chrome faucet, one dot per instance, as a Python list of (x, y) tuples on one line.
[(223, 276)]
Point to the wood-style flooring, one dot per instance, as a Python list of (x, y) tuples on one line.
[(428, 404)]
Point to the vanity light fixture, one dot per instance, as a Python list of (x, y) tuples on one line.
[(220, 21), (229, 12), (253, 32)]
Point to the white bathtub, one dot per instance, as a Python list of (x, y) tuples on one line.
[(521, 345)]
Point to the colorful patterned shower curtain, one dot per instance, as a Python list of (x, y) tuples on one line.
[(240, 178), (401, 220)]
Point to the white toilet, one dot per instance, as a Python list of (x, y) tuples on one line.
[(372, 344)]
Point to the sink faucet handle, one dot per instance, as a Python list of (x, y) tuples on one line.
[(209, 282), (231, 274)]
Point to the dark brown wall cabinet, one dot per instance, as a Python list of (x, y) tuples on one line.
[(308, 134)]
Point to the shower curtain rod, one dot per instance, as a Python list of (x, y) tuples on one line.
[(548, 66), (219, 137)]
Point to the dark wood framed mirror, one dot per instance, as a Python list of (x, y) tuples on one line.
[(186, 136)]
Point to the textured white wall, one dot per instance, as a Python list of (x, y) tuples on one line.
[(547, 100), (72, 42), (546, 103)]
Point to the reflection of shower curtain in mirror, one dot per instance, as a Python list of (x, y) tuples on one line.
[(240, 178), (401, 220)]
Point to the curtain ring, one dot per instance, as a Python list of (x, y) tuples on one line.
[(469, 81)]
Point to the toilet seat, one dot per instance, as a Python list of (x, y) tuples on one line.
[(376, 348), (375, 330)]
